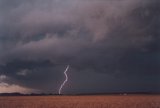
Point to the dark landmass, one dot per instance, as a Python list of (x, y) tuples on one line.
[(20, 94), (50, 94)]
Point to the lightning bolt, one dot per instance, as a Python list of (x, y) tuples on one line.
[(66, 79)]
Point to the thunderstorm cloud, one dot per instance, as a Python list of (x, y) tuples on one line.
[(110, 45)]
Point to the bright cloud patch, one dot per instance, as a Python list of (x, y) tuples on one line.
[(3, 77), (10, 88), (23, 72)]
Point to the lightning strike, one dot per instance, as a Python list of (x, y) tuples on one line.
[(64, 82)]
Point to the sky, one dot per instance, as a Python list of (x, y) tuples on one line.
[(110, 45)]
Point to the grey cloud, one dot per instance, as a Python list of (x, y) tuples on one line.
[(117, 38)]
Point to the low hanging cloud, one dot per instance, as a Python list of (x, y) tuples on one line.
[(12, 88), (38, 38), (3, 77)]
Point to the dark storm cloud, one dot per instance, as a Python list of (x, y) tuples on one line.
[(115, 38), (33, 74)]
